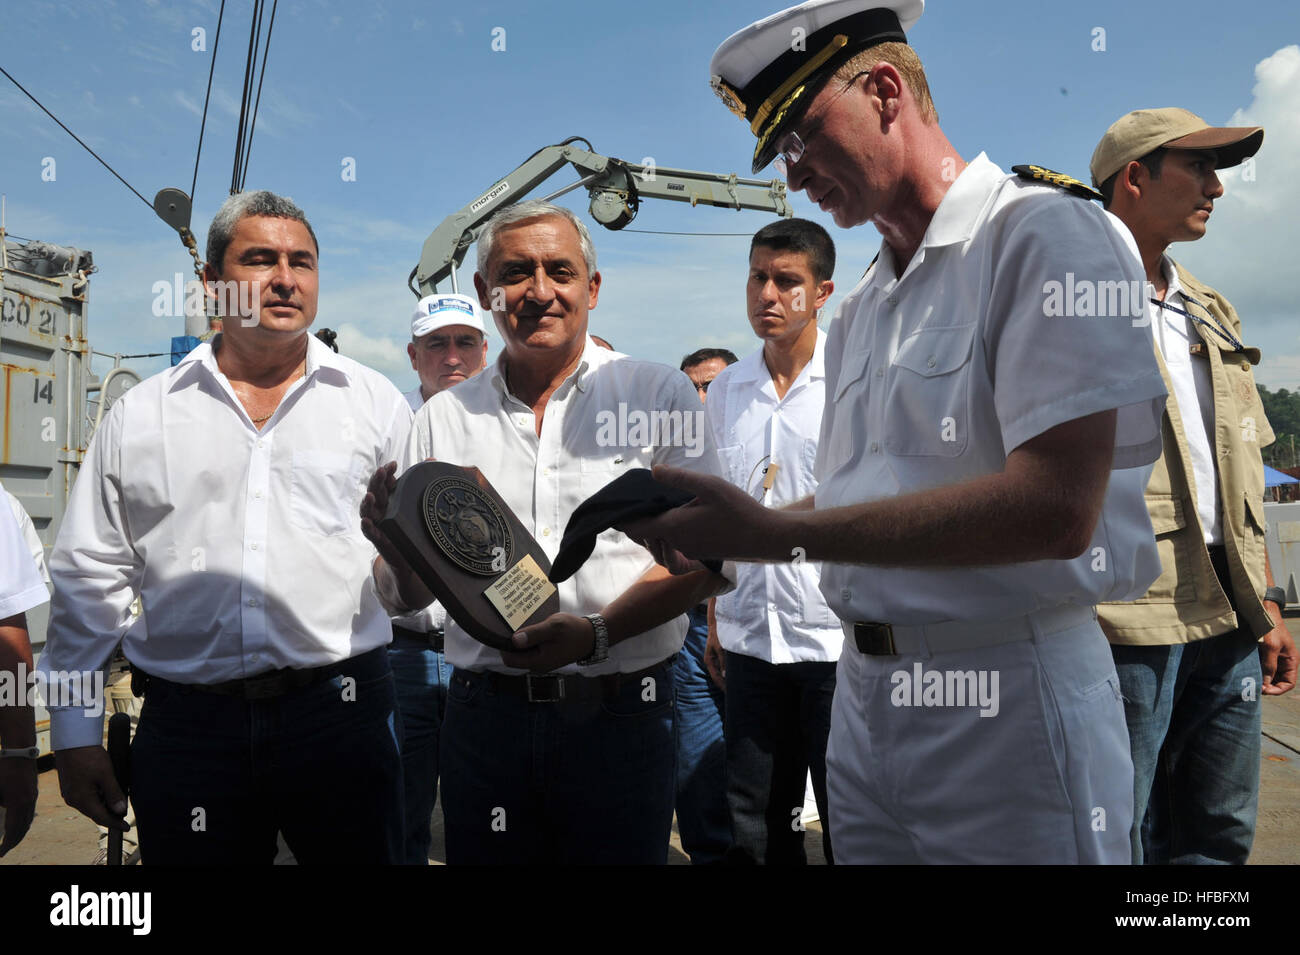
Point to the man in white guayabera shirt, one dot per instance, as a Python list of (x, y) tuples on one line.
[(780, 640)]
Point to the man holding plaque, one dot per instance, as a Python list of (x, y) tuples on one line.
[(559, 748)]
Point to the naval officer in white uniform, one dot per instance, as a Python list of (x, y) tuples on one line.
[(974, 420)]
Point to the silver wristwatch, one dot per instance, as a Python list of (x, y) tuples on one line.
[(600, 650)]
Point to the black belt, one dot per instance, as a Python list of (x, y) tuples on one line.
[(265, 686), (556, 687), (419, 639)]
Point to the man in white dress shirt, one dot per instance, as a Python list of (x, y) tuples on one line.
[(22, 587), (562, 749), (780, 639), (962, 511), (225, 492), (448, 345)]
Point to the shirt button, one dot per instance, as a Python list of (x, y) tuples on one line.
[(257, 494), (1245, 366), (930, 362), (845, 595), (252, 601), (261, 444), (875, 446), (546, 471), (546, 532), (880, 372), (892, 300), (253, 545), (772, 607)]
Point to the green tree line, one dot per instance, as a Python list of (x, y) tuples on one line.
[(1283, 410)]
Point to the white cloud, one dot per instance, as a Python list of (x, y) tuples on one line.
[(187, 104), (382, 353), (1249, 252)]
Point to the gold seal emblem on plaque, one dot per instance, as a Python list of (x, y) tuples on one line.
[(468, 526)]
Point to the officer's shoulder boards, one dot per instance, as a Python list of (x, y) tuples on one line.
[(1058, 179)]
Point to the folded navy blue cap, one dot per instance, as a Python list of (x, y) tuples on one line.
[(631, 495)]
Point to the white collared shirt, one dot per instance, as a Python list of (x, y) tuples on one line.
[(598, 424), (934, 377), (245, 547), (415, 398), (22, 560), (1193, 397), (768, 446)]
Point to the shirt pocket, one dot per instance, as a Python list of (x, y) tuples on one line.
[(731, 464), (928, 401), (1177, 580), (848, 410), (1253, 542), (324, 494)]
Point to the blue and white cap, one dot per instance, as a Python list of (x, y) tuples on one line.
[(769, 72), (442, 309)]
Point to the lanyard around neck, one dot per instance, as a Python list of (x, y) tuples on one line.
[(1212, 325)]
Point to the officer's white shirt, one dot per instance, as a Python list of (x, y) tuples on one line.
[(1193, 396), (777, 612), (588, 439), (932, 378), (22, 567), (245, 546)]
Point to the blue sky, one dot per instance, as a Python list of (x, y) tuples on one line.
[(432, 115)]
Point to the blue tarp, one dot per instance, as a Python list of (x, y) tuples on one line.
[(182, 345), (1274, 477)]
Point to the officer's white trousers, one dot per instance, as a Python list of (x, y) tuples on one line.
[(1016, 753)]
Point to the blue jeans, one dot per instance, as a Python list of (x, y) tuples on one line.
[(778, 721), (702, 819), (214, 777), (1193, 713), (422, 676), (568, 783)]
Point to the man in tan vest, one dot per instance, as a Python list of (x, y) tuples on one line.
[(1195, 653)]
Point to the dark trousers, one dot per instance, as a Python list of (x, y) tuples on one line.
[(567, 783), (778, 720), (214, 777)]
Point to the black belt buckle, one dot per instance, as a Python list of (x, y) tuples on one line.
[(264, 686), (875, 639), (544, 687)]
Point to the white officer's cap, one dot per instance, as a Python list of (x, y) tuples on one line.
[(769, 72)]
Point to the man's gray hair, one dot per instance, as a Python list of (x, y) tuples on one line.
[(260, 202), (531, 209)]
